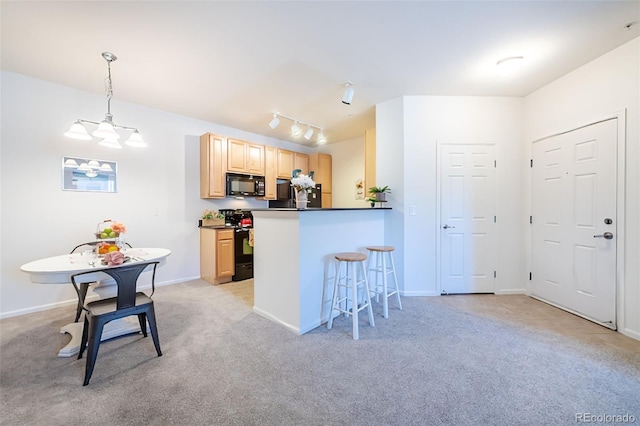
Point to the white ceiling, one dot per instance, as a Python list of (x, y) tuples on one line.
[(235, 63)]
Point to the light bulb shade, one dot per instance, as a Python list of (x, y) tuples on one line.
[(71, 163), (274, 123), (321, 138), (348, 95), (94, 164), (84, 167), (135, 140), (91, 174), (106, 167), (78, 131), (508, 66), (110, 143), (295, 130), (308, 133), (106, 131)]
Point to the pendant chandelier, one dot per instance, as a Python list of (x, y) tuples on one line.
[(106, 130)]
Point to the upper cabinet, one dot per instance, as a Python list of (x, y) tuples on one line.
[(270, 172), (301, 161), (213, 163), (321, 166), (245, 157), (285, 163)]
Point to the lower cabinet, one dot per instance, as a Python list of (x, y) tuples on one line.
[(217, 263)]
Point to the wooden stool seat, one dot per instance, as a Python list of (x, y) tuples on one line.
[(351, 257), (345, 290), (381, 248), (382, 269)]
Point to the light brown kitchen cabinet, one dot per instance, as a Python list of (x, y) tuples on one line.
[(369, 160), (301, 161), (285, 163), (213, 165), (217, 262), (321, 165), (245, 157), (270, 172)]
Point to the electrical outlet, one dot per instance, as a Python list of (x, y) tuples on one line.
[(412, 210)]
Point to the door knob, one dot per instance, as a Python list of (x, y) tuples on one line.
[(447, 226), (606, 236)]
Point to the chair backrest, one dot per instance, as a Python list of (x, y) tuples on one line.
[(89, 246), (126, 277)]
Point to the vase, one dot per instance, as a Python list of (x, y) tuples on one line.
[(301, 198)]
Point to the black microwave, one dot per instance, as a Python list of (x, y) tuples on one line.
[(245, 185)]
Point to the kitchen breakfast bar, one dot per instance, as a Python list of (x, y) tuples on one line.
[(294, 267)]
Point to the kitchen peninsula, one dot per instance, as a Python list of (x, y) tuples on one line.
[(294, 267)]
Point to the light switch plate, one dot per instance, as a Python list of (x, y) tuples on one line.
[(412, 210)]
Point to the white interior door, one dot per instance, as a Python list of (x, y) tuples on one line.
[(467, 214), (574, 221)]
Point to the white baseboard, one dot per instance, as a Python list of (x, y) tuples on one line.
[(630, 333), (418, 293), (270, 317), (512, 291)]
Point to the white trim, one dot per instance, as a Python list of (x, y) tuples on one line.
[(439, 145), (621, 117), (288, 326), (564, 308), (419, 293), (512, 291)]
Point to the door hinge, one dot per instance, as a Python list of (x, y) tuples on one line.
[(531, 163), (530, 219), (495, 163), (529, 276), (495, 219), (494, 274)]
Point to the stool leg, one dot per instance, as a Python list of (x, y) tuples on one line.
[(377, 284), (366, 291), (335, 296), (354, 299), (385, 300), (395, 280)]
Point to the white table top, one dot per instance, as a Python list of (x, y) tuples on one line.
[(58, 269)]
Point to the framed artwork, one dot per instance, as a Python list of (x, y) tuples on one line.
[(84, 174)]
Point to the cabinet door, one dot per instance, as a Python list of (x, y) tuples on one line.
[(325, 170), (326, 200), (236, 156), (270, 172), (224, 258), (255, 159), (285, 163), (301, 161), (213, 150)]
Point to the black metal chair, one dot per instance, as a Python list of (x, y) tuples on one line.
[(84, 287), (128, 302)]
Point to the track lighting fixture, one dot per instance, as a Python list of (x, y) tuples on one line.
[(274, 123), (296, 131), (349, 91), (106, 130)]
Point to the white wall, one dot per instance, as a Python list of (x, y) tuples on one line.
[(158, 187), (347, 167), (416, 128), (595, 91)]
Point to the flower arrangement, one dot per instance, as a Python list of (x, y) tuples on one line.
[(302, 182), (212, 214), (109, 229)]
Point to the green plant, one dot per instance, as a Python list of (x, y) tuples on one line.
[(211, 214), (379, 189)]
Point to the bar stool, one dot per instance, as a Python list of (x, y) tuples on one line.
[(350, 283), (382, 268)]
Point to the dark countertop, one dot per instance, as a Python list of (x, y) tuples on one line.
[(320, 210)]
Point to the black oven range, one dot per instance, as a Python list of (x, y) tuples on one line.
[(242, 222)]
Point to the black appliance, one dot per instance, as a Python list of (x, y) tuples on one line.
[(241, 221), (244, 185), (286, 198)]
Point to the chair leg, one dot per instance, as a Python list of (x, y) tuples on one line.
[(95, 334), (85, 335), (83, 294), (142, 319), (151, 316)]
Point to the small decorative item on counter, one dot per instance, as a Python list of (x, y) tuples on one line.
[(380, 192), (105, 248), (109, 229), (302, 183), (372, 201), (113, 258), (212, 218)]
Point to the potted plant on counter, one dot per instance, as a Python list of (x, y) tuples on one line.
[(212, 218), (372, 201), (379, 192)]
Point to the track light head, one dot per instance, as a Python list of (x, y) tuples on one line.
[(321, 138), (295, 129), (308, 133), (349, 91), (274, 123)]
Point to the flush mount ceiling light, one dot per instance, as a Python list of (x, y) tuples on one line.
[(509, 65), (349, 91), (296, 131), (106, 130)]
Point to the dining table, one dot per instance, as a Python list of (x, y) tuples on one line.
[(59, 269)]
